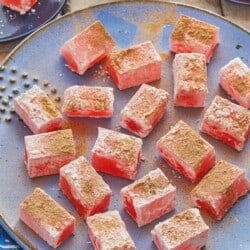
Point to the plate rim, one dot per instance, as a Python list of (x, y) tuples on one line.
[(21, 240)]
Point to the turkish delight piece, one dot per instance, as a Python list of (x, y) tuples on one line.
[(186, 230), (87, 48), (235, 80), (190, 80), (84, 101), (46, 153), (193, 35), (47, 218), (227, 122), (149, 198), (108, 231), (134, 66), (220, 189), (186, 151), (116, 153), (21, 6), (38, 111), (144, 110), (84, 187)]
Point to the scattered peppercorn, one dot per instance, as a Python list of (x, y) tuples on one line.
[(53, 91), (2, 110), (2, 68), (46, 84), (58, 99), (8, 119), (13, 70), (2, 88), (12, 110), (5, 102), (15, 91), (24, 75), (12, 80), (26, 85)]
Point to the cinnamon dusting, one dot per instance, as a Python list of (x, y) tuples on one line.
[(59, 142), (182, 227), (48, 106), (147, 187), (186, 144), (45, 210), (219, 180), (187, 26)]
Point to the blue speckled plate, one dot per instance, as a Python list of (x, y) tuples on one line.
[(13, 25), (129, 23)]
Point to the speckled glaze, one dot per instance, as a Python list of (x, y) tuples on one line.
[(37, 61), (13, 25)]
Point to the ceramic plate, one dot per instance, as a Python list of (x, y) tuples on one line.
[(37, 61), (13, 25)]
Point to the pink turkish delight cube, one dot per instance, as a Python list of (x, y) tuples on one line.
[(47, 218), (46, 153), (186, 151), (186, 230), (144, 110), (190, 80), (227, 122), (134, 66), (220, 189), (21, 6), (108, 231), (193, 35), (235, 80), (149, 197), (87, 48), (84, 187), (38, 111), (84, 101), (116, 153)]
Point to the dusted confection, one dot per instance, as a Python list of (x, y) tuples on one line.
[(116, 153), (235, 80), (38, 111), (134, 66), (186, 151), (190, 80), (185, 230), (144, 110), (84, 187), (84, 101), (220, 189), (108, 231), (149, 198), (46, 153), (47, 218), (87, 48), (193, 35), (227, 122)]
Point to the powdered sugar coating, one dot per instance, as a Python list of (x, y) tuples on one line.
[(226, 118), (185, 230), (108, 231), (235, 80)]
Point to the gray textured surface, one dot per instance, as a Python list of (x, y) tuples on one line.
[(129, 23)]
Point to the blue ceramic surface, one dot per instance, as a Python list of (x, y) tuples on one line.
[(129, 23), (13, 25), (6, 242)]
